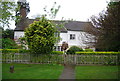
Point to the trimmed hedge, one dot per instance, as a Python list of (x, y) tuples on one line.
[(97, 53), (24, 51), (88, 50), (56, 52), (14, 51), (53, 52)]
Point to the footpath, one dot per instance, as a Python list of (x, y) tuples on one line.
[(68, 73)]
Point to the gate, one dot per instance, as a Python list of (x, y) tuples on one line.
[(69, 59)]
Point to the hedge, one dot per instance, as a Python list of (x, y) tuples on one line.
[(57, 52), (54, 52), (97, 53), (14, 51), (88, 50), (24, 51)]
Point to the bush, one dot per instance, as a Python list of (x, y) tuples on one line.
[(14, 51), (74, 49), (25, 51), (57, 52), (88, 50), (97, 53), (8, 43), (40, 36)]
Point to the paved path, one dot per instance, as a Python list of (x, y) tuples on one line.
[(68, 72)]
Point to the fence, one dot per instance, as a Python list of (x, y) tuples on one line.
[(61, 59)]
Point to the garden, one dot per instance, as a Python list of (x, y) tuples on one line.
[(53, 71), (39, 61), (89, 65)]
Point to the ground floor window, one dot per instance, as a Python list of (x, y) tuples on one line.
[(57, 48)]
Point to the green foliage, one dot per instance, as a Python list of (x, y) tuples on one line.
[(6, 10), (23, 42), (57, 52), (26, 51), (88, 50), (40, 36), (8, 43), (74, 49), (12, 51), (53, 11), (97, 53), (108, 27), (8, 33)]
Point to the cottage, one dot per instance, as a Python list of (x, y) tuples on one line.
[(73, 32)]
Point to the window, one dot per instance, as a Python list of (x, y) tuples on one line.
[(15, 37), (72, 36), (57, 48)]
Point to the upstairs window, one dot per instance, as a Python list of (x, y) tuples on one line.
[(72, 36)]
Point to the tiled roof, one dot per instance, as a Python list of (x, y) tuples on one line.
[(67, 25)]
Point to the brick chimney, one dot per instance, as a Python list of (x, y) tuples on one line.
[(23, 12), (24, 8)]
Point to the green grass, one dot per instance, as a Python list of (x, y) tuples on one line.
[(96, 72), (32, 71)]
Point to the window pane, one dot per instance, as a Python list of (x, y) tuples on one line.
[(72, 36)]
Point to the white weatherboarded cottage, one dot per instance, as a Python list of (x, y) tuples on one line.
[(73, 32)]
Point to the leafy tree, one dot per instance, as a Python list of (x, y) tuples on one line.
[(108, 28), (40, 36), (6, 12)]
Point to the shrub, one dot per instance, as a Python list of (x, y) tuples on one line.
[(88, 50), (8, 43), (74, 49), (56, 52), (40, 36), (14, 51), (97, 53), (25, 51)]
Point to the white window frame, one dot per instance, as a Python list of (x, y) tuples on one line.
[(72, 36)]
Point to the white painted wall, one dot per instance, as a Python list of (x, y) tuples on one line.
[(64, 38), (78, 38), (78, 41), (18, 34)]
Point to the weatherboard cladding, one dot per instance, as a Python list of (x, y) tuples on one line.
[(68, 25)]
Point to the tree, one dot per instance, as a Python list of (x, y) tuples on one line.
[(8, 33), (108, 28), (40, 36), (6, 10), (53, 11)]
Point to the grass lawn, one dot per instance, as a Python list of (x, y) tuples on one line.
[(32, 71), (96, 72)]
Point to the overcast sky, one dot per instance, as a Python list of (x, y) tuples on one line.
[(80, 10)]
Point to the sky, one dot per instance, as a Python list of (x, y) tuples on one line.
[(79, 10)]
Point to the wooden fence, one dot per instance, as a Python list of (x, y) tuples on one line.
[(61, 59)]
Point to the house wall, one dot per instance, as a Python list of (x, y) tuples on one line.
[(18, 34), (65, 37), (78, 41)]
